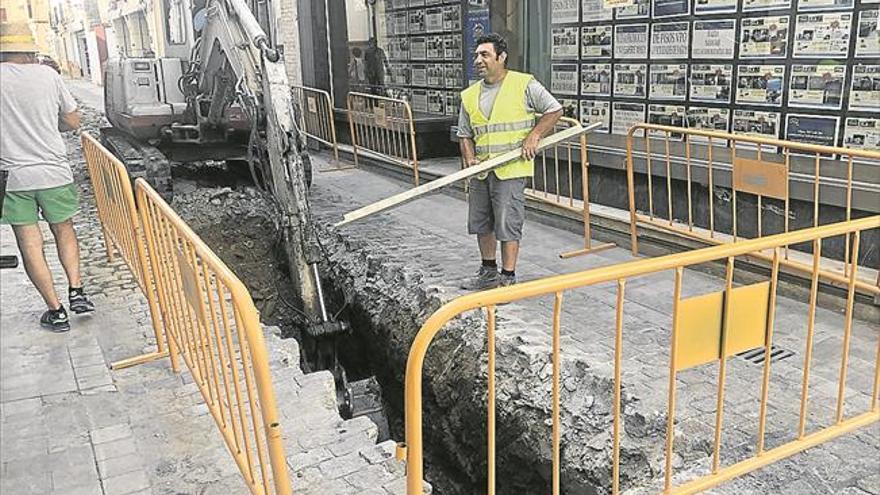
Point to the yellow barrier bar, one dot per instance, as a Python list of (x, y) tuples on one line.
[(193, 281), (316, 117), (490, 420), (727, 344), (383, 127)]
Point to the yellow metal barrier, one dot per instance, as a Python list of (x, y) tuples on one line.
[(756, 166), (211, 321), (122, 231), (704, 330), (558, 164), (316, 116), (383, 127)]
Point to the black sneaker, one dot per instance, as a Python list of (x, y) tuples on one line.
[(487, 277), (55, 320), (79, 303)]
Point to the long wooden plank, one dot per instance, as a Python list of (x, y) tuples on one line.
[(483, 167)]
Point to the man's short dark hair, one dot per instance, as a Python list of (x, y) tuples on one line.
[(498, 42)]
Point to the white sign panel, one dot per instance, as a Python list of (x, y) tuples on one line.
[(711, 83), (714, 40), (667, 81), (595, 10), (629, 80), (862, 134), (760, 84), (670, 40), (670, 115), (565, 43), (822, 35), (631, 41), (564, 79), (596, 41), (708, 119), (756, 123), (816, 86), (868, 40), (807, 5), (637, 10), (564, 11)]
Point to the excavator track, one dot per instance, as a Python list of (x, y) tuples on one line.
[(141, 160)]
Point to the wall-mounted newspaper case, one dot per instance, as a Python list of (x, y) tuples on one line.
[(595, 10), (868, 37), (861, 133), (760, 84), (708, 119), (864, 92), (822, 35), (670, 40), (564, 79), (670, 115), (764, 37), (711, 83), (564, 11), (596, 111), (759, 123), (811, 129), (714, 39), (596, 79), (629, 80), (565, 41), (596, 41), (667, 81), (631, 41), (624, 115), (816, 86)]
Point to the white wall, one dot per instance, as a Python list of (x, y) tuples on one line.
[(94, 58)]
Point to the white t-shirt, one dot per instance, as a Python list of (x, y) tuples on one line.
[(32, 98)]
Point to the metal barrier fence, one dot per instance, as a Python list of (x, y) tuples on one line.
[(122, 231), (754, 167), (559, 164), (316, 115), (210, 320), (705, 329), (384, 128)]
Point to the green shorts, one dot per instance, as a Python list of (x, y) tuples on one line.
[(55, 205)]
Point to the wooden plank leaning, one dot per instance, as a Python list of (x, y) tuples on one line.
[(491, 164)]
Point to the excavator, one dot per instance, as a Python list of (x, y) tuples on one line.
[(225, 96)]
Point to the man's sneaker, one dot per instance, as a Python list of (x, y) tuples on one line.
[(506, 280), (79, 303), (486, 278), (55, 320)]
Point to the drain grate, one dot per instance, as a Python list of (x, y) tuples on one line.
[(757, 356)]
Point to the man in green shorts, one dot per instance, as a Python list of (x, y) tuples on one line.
[(33, 104)]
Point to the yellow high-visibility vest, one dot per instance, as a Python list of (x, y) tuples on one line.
[(507, 125)]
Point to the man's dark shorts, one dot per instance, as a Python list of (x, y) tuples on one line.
[(498, 206)]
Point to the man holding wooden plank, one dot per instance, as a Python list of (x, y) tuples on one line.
[(499, 114)]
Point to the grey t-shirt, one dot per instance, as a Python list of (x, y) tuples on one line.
[(537, 100), (32, 99)]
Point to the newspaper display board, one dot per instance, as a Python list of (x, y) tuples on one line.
[(435, 48), (638, 9), (714, 7), (711, 83), (760, 84), (755, 123), (868, 36), (596, 41), (708, 119), (667, 82), (564, 79), (669, 115), (594, 10), (862, 133), (629, 80), (811, 5), (435, 76), (822, 35), (436, 101), (671, 8), (816, 86), (624, 115), (419, 75), (715, 40), (565, 41), (631, 41), (596, 79), (864, 91), (596, 111), (670, 40), (569, 107), (764, 37), (765, 5), (811, 129), (564, 11), (434, 20)]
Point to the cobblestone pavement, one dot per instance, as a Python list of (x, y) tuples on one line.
[(426, 241), (69, 425)]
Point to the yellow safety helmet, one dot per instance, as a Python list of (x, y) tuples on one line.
[(16, 37)]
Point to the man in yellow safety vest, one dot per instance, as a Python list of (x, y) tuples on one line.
[(498, 114)]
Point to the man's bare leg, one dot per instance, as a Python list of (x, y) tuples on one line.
[(30, 244), (509, 254), (68, 251), (488, 245)]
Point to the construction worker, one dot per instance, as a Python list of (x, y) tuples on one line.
[(499, 114), (33, 104)]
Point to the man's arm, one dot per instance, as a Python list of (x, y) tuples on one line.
[(69, 121), (466, 145), (68, 116), (545, 125)]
